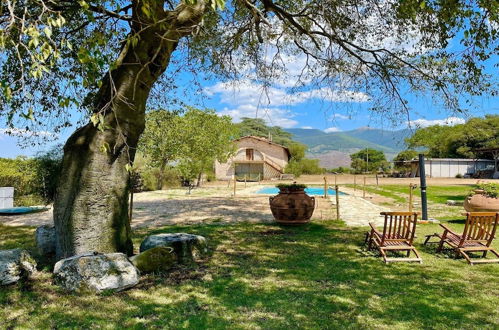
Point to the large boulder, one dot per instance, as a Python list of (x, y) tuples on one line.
[(157, 259), (15, 265), (96, 272), (184, 245), (45, 240)]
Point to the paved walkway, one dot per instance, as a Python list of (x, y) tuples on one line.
[(356, 211)]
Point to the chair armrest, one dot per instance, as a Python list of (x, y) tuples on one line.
[(447, 228)]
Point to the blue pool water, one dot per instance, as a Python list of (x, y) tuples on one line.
[(310, 191)]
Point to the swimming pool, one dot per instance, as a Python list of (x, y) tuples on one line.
[(311, 191)]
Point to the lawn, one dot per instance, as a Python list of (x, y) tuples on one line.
[(435, 194), (260, 276)]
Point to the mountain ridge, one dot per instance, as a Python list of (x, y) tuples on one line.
[(333, 149)]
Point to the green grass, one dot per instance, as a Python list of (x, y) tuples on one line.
[(266, 277), (435, 194)]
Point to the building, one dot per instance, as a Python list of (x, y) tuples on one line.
[(450, 167), (256, 159)]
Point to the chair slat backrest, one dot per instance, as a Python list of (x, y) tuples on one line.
[(399, 225), (480, 226)]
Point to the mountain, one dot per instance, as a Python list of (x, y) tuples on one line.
[(333, 149)]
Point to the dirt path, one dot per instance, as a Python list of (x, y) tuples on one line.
[(204, 205)]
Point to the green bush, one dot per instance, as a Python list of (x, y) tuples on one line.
[(151, 178), (34, 179), (340, 169), (491, 189), (304, 166)]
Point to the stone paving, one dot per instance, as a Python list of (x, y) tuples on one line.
[(356, 211)]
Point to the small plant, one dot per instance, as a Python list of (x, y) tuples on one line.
[(291, 186), (459, 176), (489, 189)]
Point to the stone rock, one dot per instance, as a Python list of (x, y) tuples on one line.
[(15, 265), (156, 259), (451, 203), (96, 272), (45, 240), (184, 245)]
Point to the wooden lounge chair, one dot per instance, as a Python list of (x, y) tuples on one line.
[(398, 234), (479, 231)]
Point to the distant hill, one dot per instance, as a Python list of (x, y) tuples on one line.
[(333, 149)]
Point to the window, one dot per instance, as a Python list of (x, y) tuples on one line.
[(249, 154)]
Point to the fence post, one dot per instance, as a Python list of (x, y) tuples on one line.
[(364, 188), (337, 202), (354, 184), (411, 195), (245, 181), (325, 187), (235, 185)]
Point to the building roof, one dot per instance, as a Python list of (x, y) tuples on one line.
[(447, 160), (259, 138)]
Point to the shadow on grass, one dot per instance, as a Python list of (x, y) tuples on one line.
[(265, 276)]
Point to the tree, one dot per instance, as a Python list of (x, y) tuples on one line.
[(160, 142), (402, 157), (103, 58), (459, 141), (205, 137), (369, 160), (258, 127)]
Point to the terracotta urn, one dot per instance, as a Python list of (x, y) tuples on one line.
[(292, 206), (480, 202)]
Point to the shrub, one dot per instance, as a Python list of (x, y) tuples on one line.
[(34, 179), (340, 169), (291, 186), (459, 176), (304, 166), (151, 178), (490, 189)]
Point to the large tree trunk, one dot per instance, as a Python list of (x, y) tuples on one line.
[(90, 210)]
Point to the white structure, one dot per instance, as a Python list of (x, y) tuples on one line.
[(450, 167), (256, 158), (6, 197)]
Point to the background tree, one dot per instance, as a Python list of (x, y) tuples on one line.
[(104, 58), (258, 127), (369, 160), (204, 137), (459, 141), (160, 143), (403, 157)]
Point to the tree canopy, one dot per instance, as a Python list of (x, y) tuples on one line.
[(369, 160), (191, 141), (57, 54), (459, 141)]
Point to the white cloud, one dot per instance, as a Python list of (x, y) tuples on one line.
[(247, 92), (272, 116), (307, 127), (337, 116), (449, 121), (332, 129), (24, 133)]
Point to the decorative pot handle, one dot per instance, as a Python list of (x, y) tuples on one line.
[(271, 198)]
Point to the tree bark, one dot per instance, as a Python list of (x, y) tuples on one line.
[(91, 205)]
